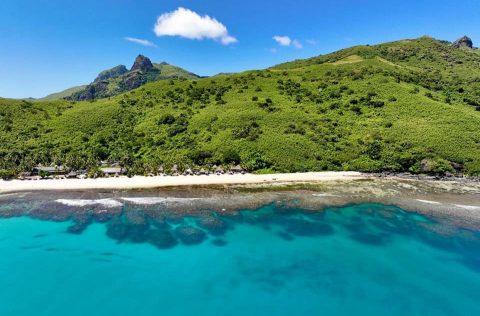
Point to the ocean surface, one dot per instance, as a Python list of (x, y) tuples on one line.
[(363, 259)]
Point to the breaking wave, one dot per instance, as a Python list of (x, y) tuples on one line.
[(157, 200), (428, 202), (79, 202), (469, 207)]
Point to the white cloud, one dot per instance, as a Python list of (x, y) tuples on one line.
[(188, 24), (287, 41), (283, 40), (140, 41), (297, 44), (312, 41)]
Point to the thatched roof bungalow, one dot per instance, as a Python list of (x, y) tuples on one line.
[(236, 169), (113, 171), (219, 170), (174, 170), (72, 175), (24, 175), (57, 170)]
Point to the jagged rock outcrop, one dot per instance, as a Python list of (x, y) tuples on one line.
[(111, 73), (119, 79), (464, 42), (142, 63)]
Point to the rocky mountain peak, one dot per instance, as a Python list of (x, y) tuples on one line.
[(111, 73), (463, 42), (142, 63)]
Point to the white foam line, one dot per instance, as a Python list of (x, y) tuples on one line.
[(79, 202), (324, 194), (428, 202), (157, 200), (468, 207)]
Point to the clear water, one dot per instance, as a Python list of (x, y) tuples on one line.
[(356, 260)]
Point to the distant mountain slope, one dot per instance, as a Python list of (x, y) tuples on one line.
[(117, 80), (405, 106), (62, 94)]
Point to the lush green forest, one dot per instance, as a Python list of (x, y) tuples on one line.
[(406, 106)]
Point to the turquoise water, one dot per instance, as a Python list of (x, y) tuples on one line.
[(357, 260)]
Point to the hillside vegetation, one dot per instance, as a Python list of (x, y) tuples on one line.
[(62, 94), (411, 105), (119, 79)]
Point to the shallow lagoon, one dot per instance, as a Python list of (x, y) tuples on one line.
[(358, 259)]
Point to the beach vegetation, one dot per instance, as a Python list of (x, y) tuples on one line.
[(387, 107)]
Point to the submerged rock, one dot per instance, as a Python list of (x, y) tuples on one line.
[(11, 212), (213, 225), (189, 235), (370, 238), (162, 239), (137, 226), (308, 228), (219, 242), (54, 211), (81, 222), (103, 216), (116, 229), (50, 214), (285, 236), (174, 218), (77, 228)]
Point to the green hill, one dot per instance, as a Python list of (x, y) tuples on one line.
[(411, 105), (117, 80), (63, 94)]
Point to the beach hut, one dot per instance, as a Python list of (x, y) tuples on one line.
[(219, 170), (72, 175), (24, 175), (160, 171), (203, 172), (174, 170), (236, 169), (188, 172), (52, 170), (112, 171)]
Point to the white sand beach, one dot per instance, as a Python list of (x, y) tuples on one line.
[(140, 182)]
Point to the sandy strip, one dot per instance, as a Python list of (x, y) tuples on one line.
[(139, 182)]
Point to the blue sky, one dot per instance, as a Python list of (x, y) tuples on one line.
[(49, 45)]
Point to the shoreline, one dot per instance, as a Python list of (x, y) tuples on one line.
[(142, 182), (457, 202)]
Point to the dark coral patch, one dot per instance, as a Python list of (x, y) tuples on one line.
[(370, 239), (213, 225), (219, 242), (307, 228), (162, 239), (189, 235), (285, 236), (116, 229)]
